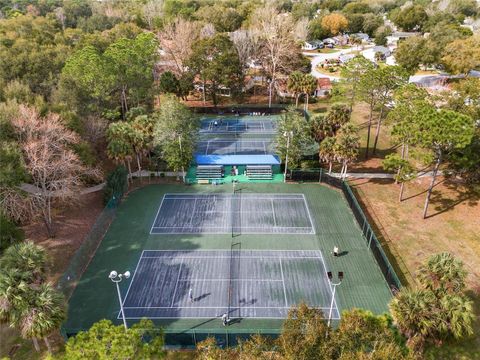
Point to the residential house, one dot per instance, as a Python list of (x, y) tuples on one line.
[(312, 45), (399, 36), (324, 87), (344, 58), (371, 54), (362, 36)]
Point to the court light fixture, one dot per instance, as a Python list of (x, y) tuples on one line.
[(334, 288), (116, 278), (288, 135)]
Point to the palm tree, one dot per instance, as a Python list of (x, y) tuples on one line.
[(42, 312), (294, 85), (347, 146), (28, 259), (457, 315), (414, 314), (443, 274), (308, 86), (326, 152)]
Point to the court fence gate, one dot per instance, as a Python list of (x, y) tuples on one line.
[(321, 176)]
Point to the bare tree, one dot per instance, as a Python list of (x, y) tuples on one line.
[(301, 29), (54, 169), (60, 15), (247, 44), (152, 10), (207, 31), (277, 42), (176, 40)]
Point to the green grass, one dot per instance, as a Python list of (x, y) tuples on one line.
[(95, 297)]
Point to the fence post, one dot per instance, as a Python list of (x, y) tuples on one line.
[(194, 338)]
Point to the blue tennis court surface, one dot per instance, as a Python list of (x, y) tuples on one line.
[(243, 283), (240, 213), (244, 124), (225, 146)]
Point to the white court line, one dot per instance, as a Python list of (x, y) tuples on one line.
[(330, 285), (131, 281), (193, 211), (308, 212), (158, 211), (208, 317), (224, 194), (227, 257), (176, 283), (206, 149), (283, 281), (216, 307), (246, 227), (212, 280), (273, 213)]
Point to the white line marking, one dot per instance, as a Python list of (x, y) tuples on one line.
[(158, 211), (273, 213), (193, 211), (133, 277), (330, 285), (176, 283), (309, 216), (207, 280), (215, 307), (209, 317), (283, 281)]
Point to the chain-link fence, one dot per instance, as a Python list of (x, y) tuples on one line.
[(319, 175), (85, 252)]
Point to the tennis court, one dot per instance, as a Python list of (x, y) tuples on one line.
[(242, 283), (243, 124), (233, 213), (225, 146)]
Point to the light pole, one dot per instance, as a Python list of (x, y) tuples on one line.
[(288, 135), (181, 157), (334, 285), (116, 278)]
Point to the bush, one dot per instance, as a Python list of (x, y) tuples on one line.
[(117, 184), (10, 233)]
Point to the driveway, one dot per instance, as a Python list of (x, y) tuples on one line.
[(319, 58)]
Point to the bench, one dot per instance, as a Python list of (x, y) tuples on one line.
[(203, 181)]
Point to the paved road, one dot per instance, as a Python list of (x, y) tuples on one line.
[(318, 58)]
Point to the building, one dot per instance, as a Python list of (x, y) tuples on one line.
[(312, 45), (324, 87), (399, 36), (373, 53)]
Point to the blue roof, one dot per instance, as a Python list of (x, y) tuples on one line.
[(237, 160)]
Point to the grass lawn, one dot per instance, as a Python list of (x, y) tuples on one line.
[(453, 225), (327, 72)]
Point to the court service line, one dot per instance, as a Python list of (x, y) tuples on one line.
[(283, 281), (176, 283)]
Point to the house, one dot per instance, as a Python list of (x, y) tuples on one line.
[(330, 41), (341, 40), (312, 45), (324, 87), (344, 58), (373, 53), (399, 36), (362, 36)]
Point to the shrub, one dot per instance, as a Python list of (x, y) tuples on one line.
[(10, 233), (117, 184)]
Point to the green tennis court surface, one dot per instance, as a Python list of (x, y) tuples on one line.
[(129, 237)]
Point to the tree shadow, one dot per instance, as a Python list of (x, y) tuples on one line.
[(461, 193)]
